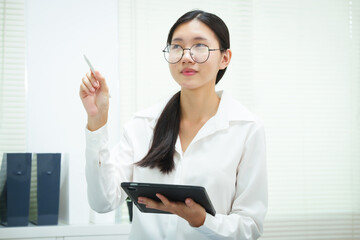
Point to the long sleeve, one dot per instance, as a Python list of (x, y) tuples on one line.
[(227, 157), (245, 220), (105, 169)]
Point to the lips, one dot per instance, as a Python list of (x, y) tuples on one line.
[(188, 72)]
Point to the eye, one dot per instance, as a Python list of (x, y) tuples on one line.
[(175, 47), (199, 45)]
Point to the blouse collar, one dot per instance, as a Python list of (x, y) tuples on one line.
[(230, 110)]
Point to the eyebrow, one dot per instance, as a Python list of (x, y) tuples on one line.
[(195, 38)]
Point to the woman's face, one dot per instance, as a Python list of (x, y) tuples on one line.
[(189, 74)]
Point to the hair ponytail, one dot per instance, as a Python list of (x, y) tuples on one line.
[(161, 152)]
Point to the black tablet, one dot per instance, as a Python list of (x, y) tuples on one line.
[(177, 193)]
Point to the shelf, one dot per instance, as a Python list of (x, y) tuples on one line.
[(64, 231)]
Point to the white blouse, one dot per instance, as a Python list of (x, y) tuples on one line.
[(227, 157)]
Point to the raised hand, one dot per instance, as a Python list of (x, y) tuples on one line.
[(94, 94)]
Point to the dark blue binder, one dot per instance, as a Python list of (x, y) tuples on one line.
[(15, 189), (45, 189)]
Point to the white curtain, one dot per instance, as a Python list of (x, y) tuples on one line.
[(12, 75), (307, 82), (296, 65)]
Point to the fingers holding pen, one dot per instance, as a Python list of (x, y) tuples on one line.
[(101, 80), (94, 85), (84, 91), (92, 80), (88, 85)]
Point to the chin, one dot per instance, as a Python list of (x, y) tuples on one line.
[(190, 88), (188, 85)]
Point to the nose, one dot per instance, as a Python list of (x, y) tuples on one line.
[(187, 56)]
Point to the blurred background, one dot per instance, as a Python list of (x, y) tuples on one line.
[(296, 64)]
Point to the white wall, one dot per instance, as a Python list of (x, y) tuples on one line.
[(293, 66), (58, 33)]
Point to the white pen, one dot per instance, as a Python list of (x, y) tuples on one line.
[(91, 68)]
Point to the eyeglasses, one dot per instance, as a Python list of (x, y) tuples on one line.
[(200, 53)]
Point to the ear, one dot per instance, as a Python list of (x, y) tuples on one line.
[(225, 60)]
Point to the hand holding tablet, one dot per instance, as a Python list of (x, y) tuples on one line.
[(176, 193)]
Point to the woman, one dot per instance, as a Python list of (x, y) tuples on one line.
[(199, 137)]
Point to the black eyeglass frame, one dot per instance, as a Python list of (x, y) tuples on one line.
[(182, 55)]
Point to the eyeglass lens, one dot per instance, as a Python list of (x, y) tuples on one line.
[(199, 53)]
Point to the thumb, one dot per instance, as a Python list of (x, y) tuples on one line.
[(190, 203), (101, 79)]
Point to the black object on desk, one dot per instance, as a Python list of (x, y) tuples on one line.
[(15, 189), (45, 188)]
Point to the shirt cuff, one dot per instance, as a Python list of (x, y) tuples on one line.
[(209, 224), (95, 142), (97, 135)]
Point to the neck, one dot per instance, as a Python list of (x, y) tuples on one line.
[(198, 105)]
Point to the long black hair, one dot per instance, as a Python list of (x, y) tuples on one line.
[(161, 152)]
